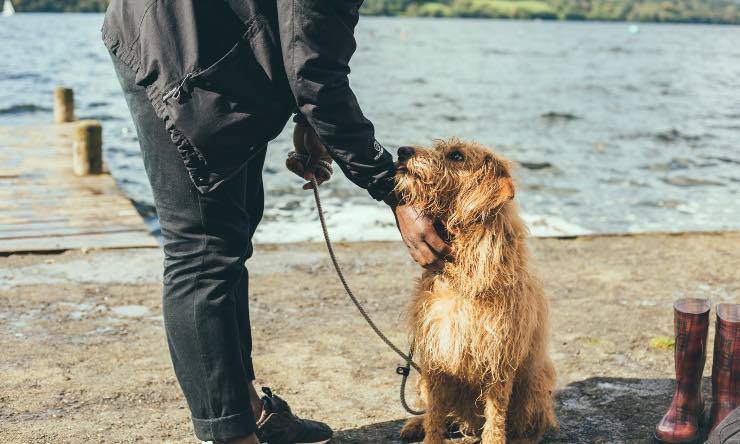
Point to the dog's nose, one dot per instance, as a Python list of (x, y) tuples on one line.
[(404, 153)]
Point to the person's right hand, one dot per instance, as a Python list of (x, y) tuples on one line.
[(307, 143), (425, 244)]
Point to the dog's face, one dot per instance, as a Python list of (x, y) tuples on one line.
[(460, 183)]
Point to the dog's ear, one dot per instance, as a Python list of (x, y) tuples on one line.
[(506, 185), (498, 172), (485, 194)]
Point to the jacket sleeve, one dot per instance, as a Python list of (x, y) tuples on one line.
[(317, 38)]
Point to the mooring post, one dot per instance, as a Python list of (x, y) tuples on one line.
[(64, 105), (87, 151)]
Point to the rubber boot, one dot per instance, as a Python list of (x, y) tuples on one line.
[(726, 365), (683, 421)]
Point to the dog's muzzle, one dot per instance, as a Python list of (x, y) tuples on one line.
[(405, 153)]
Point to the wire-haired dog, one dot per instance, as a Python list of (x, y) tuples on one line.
[(480, 324)]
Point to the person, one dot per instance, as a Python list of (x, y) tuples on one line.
[(208, 84)]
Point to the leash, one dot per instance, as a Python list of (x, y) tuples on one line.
[(404, 370)]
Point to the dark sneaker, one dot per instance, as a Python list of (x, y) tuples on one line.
[(727, 431), (278, 425)]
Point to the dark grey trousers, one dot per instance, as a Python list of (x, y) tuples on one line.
[(207, 239)]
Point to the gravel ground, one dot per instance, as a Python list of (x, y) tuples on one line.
[(84, 356)]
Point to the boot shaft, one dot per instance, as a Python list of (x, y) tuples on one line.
[(691, 323)]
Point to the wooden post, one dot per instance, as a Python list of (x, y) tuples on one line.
[(87, 151), (64, 105)]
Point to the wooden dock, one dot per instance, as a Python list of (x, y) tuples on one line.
[(44, 206)]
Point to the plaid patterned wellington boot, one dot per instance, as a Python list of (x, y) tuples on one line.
[(726, 365), (682, 423)]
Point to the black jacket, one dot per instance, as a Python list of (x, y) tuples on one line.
[(225, 76)]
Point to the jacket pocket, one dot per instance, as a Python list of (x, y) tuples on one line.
[(225, 110)]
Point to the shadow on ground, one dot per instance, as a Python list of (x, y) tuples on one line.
[(596, 410), (386, 431)]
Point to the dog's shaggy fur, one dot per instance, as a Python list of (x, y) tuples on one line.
[(480, 324)]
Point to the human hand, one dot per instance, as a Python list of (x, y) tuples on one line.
[(421, 236), (310, 158)]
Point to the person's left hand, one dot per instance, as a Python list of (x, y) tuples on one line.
[(312, 158)]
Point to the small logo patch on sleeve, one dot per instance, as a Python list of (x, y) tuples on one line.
[(379, 148)]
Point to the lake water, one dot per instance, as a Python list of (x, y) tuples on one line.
[(617, 128)]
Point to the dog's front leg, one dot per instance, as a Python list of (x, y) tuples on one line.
[(435, 425), (497, 404), (435, 419)]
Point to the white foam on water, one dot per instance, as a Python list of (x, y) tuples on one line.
[(543, 226), (376, 223), (349, 223)]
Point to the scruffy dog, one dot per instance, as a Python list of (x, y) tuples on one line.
[(480, 324)]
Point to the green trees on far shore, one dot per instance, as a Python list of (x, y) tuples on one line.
[(699, 11), (60, 5), (695, 11)]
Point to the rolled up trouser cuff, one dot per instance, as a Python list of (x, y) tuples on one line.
[(225, 428)]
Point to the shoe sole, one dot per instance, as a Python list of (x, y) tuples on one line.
[(697, 440)]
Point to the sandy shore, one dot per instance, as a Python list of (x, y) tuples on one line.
[(84, 357)]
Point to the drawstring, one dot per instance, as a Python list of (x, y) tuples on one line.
[(176, 92)]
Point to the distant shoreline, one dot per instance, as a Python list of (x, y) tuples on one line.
[(569, 20), (471, 17), (638, 11)]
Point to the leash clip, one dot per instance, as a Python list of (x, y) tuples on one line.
[(403, 371)]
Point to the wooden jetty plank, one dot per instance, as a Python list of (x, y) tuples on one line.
[(129, 239), (52, 231), (45, 207)]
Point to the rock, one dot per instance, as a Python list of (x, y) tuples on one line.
[(682, 181), (554, 116), (536, 165)]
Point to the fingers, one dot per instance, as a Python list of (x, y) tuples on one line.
[(435, 266), (319, 180), (297, 169), (307, 143), (309, 176), (425, 244), (322, 175), (309, 185), (429, 258), (435, 242), (320, 166), (299, 137), (424, 255), (295, 166), (313, 144)]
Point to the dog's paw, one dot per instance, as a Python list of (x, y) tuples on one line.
[(413, 430)]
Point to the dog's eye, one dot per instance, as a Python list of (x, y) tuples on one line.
[(456, 156)]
